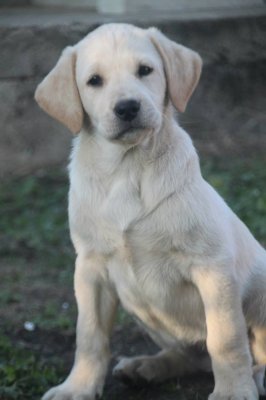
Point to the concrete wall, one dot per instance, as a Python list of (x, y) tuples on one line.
[(225, 116), (171, 5), (124, 6)]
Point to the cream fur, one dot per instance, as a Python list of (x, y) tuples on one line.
[(150, 232)]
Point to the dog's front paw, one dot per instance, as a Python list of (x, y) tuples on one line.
[(67, 391), (85, 382)]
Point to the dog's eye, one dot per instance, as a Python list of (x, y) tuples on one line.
[(144, 70), (95, 80)]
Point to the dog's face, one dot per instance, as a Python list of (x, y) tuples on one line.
[(121, 82), (121, 77)]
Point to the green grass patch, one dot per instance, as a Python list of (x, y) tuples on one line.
[(23, 375), (243, 185), (34, 217)]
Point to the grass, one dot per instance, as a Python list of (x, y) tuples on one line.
[(242, 184), (37, 259), (22, 374), (33, 217)]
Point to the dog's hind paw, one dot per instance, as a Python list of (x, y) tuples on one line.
[(138, 370)]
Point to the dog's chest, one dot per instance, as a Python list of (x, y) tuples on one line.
[(100, 212), (150, 276), (151, 287)]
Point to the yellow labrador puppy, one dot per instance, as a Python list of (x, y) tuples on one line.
[(148, 230)]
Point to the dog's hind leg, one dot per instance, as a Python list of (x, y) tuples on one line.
[(258, 347), (254, 307), (259, 377), (165, 365)]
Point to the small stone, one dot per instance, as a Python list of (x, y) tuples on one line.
[(29, 326), (65, 306)]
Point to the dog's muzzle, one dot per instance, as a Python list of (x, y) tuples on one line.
[(129, 121)]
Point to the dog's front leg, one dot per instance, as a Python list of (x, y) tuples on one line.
[(227, 340), (97, 304)]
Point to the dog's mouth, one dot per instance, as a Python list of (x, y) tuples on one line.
[(131, 134)]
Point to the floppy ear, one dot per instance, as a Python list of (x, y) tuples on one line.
[(182, 68), (58, 94)]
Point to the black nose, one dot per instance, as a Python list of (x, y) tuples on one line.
[(127, 110)]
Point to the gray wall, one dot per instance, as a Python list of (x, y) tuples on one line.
[(226, 115)]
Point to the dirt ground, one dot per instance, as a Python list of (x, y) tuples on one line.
[(127, 340)]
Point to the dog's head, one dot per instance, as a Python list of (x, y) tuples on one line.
[(122, 78)]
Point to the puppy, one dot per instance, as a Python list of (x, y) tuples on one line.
[(148, 230)]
